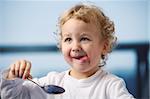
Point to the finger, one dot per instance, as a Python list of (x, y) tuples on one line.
[(12, 69), (17, 67), (27, 70), (11, 73), (30, 76), (22, 68)]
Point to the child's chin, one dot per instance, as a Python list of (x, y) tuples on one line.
[(80, 69)]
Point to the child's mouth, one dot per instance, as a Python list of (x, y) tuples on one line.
[(81, 58)]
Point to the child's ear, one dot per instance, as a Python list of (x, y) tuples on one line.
[(105, 47)]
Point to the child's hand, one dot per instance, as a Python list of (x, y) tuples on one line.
[(20, 69)]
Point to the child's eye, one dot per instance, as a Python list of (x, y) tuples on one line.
[(85, 39), (67, 39)]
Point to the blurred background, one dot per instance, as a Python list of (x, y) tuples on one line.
[(27, 32)]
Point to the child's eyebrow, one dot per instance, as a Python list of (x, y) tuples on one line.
[(85, 34), (66, 34)]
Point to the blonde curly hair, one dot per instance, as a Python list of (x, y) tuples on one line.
[(91, 14)]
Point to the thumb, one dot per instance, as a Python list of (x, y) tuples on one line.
[(30, 76)]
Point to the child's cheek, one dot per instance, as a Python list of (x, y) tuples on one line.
[(68, 59), (67, 55)]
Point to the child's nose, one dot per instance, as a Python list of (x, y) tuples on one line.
[(76, 47)]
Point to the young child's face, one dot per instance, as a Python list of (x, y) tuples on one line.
[(81, 45)]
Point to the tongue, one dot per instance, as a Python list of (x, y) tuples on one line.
[(84, 58)]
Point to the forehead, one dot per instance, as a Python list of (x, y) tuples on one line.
[(79, 26)]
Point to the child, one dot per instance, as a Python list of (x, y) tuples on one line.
[(86, 37)]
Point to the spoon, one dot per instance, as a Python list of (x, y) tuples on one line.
[(50, 89)]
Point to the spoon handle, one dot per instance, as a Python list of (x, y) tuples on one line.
[(33, 81)]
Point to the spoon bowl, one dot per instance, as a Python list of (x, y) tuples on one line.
[(50, 89), (53, 89)]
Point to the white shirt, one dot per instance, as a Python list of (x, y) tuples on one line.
[(101, 85)]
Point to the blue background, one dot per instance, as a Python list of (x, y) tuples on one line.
[(32, 23)]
